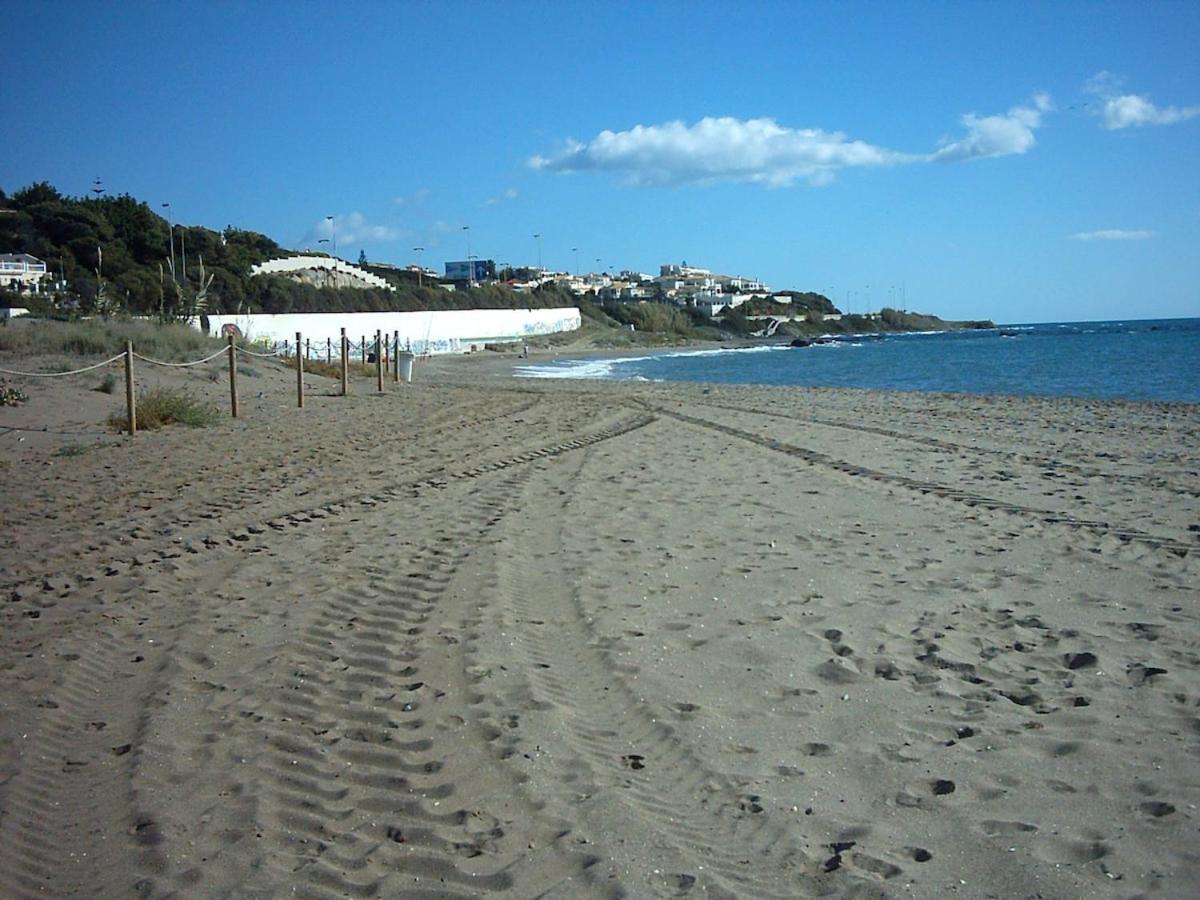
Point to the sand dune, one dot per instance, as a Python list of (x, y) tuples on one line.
[(482, 636)]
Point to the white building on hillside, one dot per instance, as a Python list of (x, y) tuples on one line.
[(21, 272)]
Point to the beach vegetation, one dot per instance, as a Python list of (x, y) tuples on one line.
[(159, 407), (93, 337), (11, 395), (73, 449), (108, 384)]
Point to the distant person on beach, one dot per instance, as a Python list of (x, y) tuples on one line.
[(524, 351)]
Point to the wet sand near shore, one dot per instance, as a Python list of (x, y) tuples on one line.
[(484, 636)]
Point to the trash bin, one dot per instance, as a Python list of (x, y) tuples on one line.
[(405, 359)]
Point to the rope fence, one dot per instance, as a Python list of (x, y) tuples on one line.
[(385, 353), (181, 365), (98, 365)]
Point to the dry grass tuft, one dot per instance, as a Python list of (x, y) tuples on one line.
[(158, 407)]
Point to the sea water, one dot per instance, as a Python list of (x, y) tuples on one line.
[(1131, 360)]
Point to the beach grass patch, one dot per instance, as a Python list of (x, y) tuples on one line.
[(11, 395), (169, 342), (108, 384), (72, 450), (159, 407)]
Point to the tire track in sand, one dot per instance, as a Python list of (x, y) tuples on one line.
[(1122, 534), (617, 748), (372, 773)]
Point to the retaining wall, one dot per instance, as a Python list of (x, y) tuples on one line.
[(435, 331)]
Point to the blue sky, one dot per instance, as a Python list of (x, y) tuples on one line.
[(1014, 161)]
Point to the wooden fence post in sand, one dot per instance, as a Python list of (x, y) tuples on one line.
[(396, 356), (328, 351), (378, 360), (307, 345), (233, 401), (364, 349), (300, 372), (130, 402), (387, 362), (345, 365)]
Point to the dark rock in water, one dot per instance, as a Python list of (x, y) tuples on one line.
[(1084, 660), (801, 342)]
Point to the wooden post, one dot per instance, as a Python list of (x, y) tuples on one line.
[(378, 360), (300, 372), (345, 364), (387, 362), (307, 345), (328, 351), (233, 400), (396, 356), (364, 349), (130, 401), (287, 347)]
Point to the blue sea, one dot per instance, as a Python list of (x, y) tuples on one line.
[(1147, 359)]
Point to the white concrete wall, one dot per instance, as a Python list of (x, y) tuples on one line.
[(296, 263), (438, 331)]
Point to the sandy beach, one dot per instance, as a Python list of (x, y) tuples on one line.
[(482, 635)]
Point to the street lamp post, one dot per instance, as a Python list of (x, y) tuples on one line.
[(420, 268), (333, 233), (538, 237), (575, 250), (470, 268)]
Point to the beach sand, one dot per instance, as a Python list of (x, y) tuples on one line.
[(480, 635)]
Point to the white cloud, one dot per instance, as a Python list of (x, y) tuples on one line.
[(414, 199), (1132, 110), (350, 228), (509, 194), (1114, 234), (999, 135), (758, 151)]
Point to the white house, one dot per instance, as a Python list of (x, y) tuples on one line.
[(21, 272)]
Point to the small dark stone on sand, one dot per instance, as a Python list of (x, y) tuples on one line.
[(1081, 701), (1082, 660), (1157, 808), (964, 731), (841, 846), (922, 855), (942, 786)]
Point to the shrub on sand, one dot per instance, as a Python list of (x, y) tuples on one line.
[(171, 342), (159, 406)]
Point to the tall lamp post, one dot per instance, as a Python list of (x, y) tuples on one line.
[(470, 268), (420, 268), (538, 237), (333, 233), (575, 250)]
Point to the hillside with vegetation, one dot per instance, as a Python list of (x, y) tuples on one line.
[(112, 255), (116, 256)]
